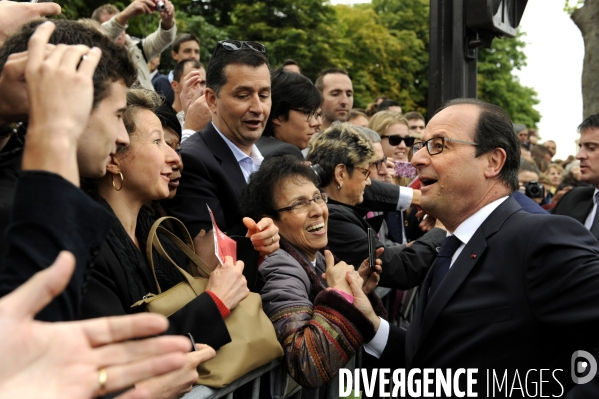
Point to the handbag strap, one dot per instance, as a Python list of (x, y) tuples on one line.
[(188, 250)]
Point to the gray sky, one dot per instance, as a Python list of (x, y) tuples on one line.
[(555, 51)]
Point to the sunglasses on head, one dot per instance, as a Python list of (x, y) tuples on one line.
[(396, 139), (234, 45)]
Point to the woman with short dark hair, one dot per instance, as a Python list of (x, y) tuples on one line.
[(320, 322)]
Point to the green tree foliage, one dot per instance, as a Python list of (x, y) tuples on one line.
[(407, 20), (497, 83), (384, 45), (306, 31)]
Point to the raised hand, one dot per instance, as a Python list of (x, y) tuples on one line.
[(371, 278), (13, 15), (228, 283), (264, 235), (335, 274), (60, 91)]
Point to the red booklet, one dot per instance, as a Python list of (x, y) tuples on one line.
[(223, 244)]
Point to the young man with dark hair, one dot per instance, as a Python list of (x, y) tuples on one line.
[(104, 131), (220, 158), (185, 47)]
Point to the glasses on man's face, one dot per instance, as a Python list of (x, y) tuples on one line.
[(380, 164), (365, 172), (302, 206), (309, 114), (436, 145), (234, 45), (396, 139)]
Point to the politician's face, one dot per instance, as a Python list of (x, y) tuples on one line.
[(453, 181), (588, 154), (241, 108)]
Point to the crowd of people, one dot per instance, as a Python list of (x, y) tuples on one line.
[(96, 144)]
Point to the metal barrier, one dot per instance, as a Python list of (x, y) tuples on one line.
[(204, 392), (285, 389)]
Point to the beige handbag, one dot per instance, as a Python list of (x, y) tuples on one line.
[(253, 339)]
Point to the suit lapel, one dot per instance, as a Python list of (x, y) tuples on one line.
[(581, 211), (225, 157), (425, 316)]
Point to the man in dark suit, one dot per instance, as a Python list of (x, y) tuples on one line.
[(581, 202), (220, 158), (517, 291)]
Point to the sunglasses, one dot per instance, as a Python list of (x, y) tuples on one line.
[(396, 139), (234, 45)]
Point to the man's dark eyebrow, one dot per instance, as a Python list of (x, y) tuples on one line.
[(249, 88)]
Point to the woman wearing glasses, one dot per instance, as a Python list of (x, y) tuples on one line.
[(320, 322), (345, 156)]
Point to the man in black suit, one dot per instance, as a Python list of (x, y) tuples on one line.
[(220, 158), (517, 291), (581, 202)]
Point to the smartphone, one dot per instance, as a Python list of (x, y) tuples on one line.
[(371, 248), (405, 169), (193, 343)]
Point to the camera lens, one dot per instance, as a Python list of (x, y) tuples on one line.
[(160, 6)]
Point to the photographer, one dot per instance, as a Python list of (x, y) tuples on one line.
[(531, 194), (114, 24)]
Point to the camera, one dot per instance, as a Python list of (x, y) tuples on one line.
[(319, 172), (160, 6), (534, 189)]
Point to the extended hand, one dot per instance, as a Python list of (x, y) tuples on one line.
[(70, 354), (361, 302), (371, 278), (178, 382)]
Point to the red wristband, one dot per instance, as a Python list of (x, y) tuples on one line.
[(222, 308)]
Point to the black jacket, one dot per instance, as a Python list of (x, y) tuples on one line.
[(403, 268), (50, 215)]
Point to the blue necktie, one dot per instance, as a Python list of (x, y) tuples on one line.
[(442, 263)]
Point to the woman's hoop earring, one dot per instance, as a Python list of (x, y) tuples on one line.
[(122, 181)]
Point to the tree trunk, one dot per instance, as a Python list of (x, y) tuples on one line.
[(587, 20)]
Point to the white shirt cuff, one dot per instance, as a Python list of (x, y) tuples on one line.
[(377, 345), (187, 133), (405, 198)]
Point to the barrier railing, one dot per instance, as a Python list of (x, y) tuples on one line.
[(204, 392), (285, 390)]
